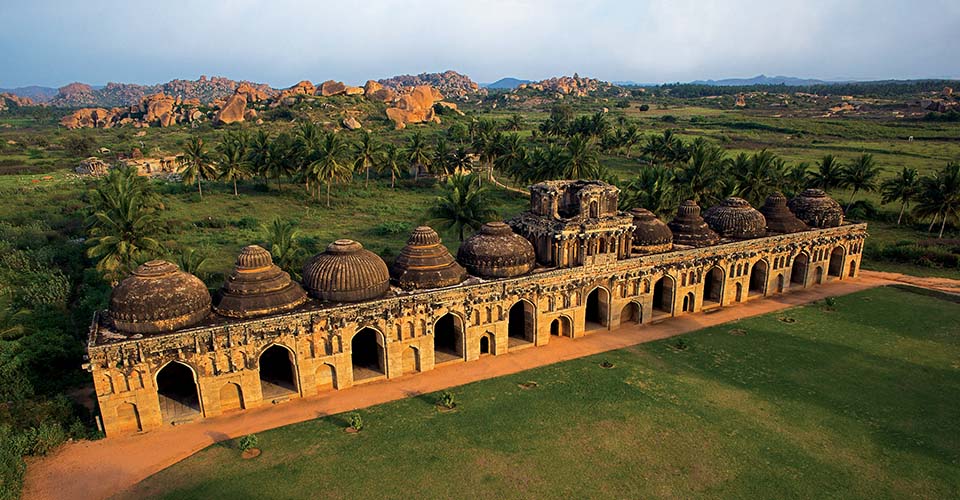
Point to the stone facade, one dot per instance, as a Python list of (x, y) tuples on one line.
[(227, 364)]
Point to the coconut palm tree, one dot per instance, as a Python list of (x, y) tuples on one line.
[(192, 261), (282, 239), (327, 163), (828, 174), (392, 159), (756, 175), (366, 153), (515, 122), (702, 177), (903, 187), (123, 226), (651, 189), (463, 205), (581, 160), (796, 178), (940, 196), (861, 175), (285, 157), (258, 154), (417, 153), (460, 160), (196, 164), (232, 162), (440, 163), (12, 319)]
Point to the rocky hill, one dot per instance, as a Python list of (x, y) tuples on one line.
[(568, 85), (36, 93), (450, 83), (206, 90)]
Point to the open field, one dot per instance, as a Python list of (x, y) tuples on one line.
[(850, 400)]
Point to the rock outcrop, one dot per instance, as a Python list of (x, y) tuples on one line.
[(331, 87), (450, 83), (351, 123), (415, 107), (567, 85), (232, 110)]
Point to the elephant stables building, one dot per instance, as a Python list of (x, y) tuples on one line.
[(168, 352)]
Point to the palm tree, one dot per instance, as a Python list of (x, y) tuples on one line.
[(463, 205), (284, 157), (196, 164), (440, 164), (366, 153), (861, 175), (12, 319), (581, 160), (232, 162), (666, 148), (283, 241), (417, 153), (515, 122), (940, 196), (651, 189), (327, 165), (701, 178), (124, 223), (512, 155), (903, 187), (460, 160), (192, 261), (796, 179), (258, 154), (392, 158), (828, 174), (756, 175)]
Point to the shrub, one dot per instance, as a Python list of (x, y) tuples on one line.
[(247, 223), (668, 119), (830, 301), (80, 145), (356, 421), (248, 442), (447, 400), (392, 228), (680, 344)]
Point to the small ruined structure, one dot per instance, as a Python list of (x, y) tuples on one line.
[(779, 218), (816, 209), (93, 166), (734, 218), (165, 165), (162, 354)]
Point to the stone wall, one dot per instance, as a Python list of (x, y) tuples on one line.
[(224, 360)]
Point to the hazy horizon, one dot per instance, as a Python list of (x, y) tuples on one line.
[(53, 43)]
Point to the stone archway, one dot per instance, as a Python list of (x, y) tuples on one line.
[(178, 393), (631, 313), (798, 272), (231, 398), (448, 338), (780, 283), (597, 309), (278, 374), (486, 345), (689, 302), (367, 354), (758, 279), (128, 418), (411, 360), (521, 323), (713, 287), (663, 295), (835, 268), (819, 275), (326, 377), (853, 268)]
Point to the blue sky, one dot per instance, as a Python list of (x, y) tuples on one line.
[(280, 42)]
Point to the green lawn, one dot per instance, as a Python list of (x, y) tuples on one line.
[(857, 400)]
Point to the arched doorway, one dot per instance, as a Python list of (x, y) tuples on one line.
[(739, 291), (521, 323), (758, 279), (689, 302), (277, 373), (598, 305), (485, 347), (411, 360), (178, 393), (836, 262), (798, 273), (326, 377), (448, 338), (780, 283), (819, 275), (663, 295), (128, 418), (231, 398), (366, 354), (561, 327), (631, 313), (853, 268), (713, 287)]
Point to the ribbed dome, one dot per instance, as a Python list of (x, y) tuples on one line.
[(158, 297), (735, 218), (690, 229), (779, 218), (816, 208), (425, 263), (651, 234), (346, 272), (258, 287), (496, 252)]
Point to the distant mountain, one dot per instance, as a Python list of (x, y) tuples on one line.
[(505, 83), (763, 80), (35, 92)]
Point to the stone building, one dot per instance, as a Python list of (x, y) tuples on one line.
[(166, 352)]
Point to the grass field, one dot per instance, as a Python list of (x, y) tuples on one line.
[(854, 400)]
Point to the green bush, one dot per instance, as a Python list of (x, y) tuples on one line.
[(356, 421), (447, 400), (248, 442)]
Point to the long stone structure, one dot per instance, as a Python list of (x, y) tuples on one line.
[(589, 279)]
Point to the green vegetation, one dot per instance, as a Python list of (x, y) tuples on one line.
[(855, 399)]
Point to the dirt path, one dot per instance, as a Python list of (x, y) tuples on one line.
[(99, 469)]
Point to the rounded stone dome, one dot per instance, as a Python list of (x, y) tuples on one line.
[(425, 263), (735, 218), (816, 208), (496, 252), (690, 229), (651, 234), (779, 218), (346, 272), (158, 297), (257, 287)]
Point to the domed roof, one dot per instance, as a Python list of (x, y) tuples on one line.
[(690, 229), (496, 252), (779, 218), (651, 234), (816, 208), (425, 263), (158, 297), (346, 272), (735, 218), (257, 287)]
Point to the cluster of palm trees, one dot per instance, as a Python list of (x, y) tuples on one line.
[(937, 196)]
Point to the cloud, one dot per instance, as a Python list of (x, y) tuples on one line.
[(283, 41)]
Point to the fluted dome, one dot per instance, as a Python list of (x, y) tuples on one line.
[(651, 234), (257, 287), (779, 218), (346, 272), (158, 297), (690, 229), (816, 208), (496, 252), (425, 263), (735, 218)]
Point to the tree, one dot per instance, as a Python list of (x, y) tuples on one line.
[(796, 178), (757, 175), (828, 174), (581, 160), (366, 153), (417, 153), (196, 164), (284, 157), (123, 226), (440, 163), (463, 205), (258, 154), (232, 161), (702, 177), (283, 241), (392, 158), (515, 122), (651, 189), (940, 196), (192, 261), (327, 165), (13, 320), (666, 148), (903, 187), (861, 175)]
